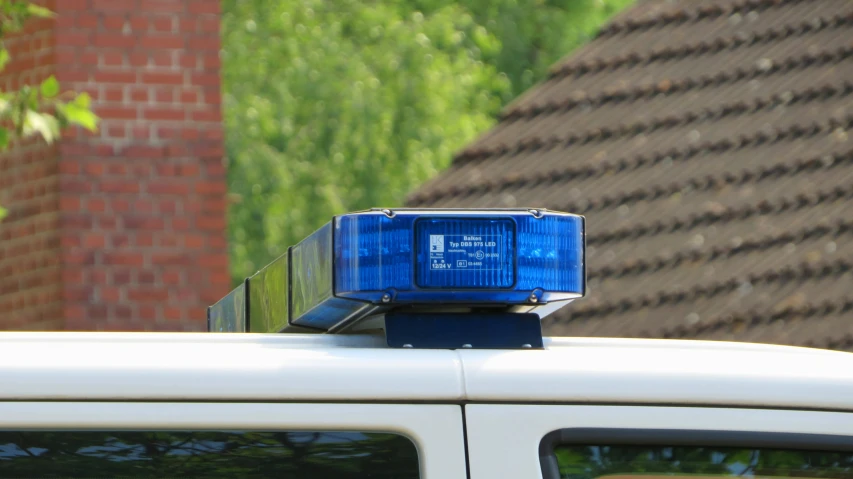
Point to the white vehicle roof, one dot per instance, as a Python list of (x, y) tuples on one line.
[(289, 367)]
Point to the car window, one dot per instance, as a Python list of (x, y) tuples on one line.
[(683, 462), (207, 454)]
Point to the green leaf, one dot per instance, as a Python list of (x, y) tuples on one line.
[(29, 96), (3, 212), (50, 87), (4, 138), (39, 11), (4, 58), (82, 116), (83, 101), (43, 124)]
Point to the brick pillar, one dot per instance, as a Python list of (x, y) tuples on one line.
[(140, 207), (30, 287)]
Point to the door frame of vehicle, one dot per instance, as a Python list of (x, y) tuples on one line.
[(516, 440), (435, 429)]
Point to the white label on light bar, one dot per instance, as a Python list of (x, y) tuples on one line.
[(472, 252)]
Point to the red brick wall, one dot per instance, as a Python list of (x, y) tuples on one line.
[(30, 289), (141, 223)]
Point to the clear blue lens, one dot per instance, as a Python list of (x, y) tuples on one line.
[(550, 254), (268, 298), (228, 315), (368, 261), (313, 303), (377, 256), (374, 254), (312, 264)]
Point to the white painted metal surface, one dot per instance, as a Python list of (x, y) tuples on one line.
[(436, 430), (140, 366), (515, 431), (663, 372)]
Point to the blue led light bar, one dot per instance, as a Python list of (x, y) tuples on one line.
[(380, 260), (267, 303), (228, 315)]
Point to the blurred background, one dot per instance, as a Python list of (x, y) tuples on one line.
[(346, 105), (705, 141)]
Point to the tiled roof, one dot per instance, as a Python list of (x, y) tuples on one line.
[(710, 146)]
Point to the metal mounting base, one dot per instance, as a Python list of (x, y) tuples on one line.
[(463, 330)]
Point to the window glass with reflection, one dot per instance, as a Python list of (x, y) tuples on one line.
[(689, 462), (206, 454)]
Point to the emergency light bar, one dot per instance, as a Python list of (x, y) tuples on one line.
[(381, 263)]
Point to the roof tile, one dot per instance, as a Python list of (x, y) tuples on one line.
[(709, 145)]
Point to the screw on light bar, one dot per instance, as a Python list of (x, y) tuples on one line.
[(376, 262)]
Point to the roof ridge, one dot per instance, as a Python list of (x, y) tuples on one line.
[(762, 208), (801, 271), (754, 318), (718, 45), (668, 86), (594, 171), (683, 15), (636, 267)]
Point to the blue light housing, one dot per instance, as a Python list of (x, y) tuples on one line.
[(228, 315), (380, 260)]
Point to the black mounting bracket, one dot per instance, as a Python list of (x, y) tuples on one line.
[(463, 330)]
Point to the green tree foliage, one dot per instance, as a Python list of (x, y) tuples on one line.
[(40, 109), (341, 105)]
